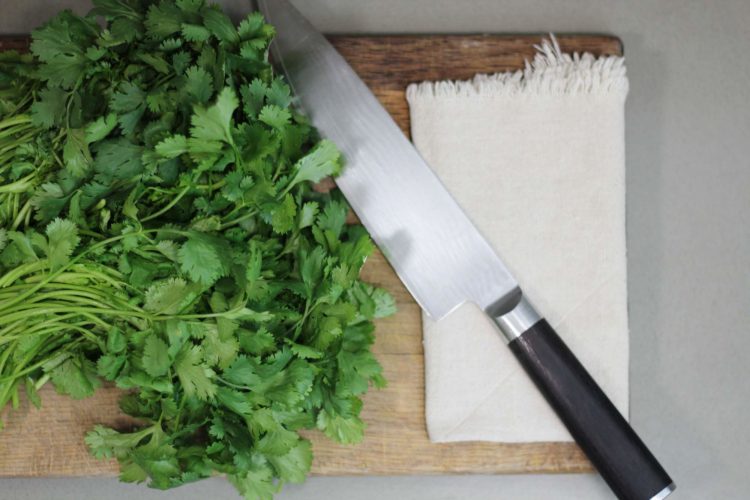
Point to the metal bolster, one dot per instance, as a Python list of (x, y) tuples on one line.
[(664, 493), (514, 315)]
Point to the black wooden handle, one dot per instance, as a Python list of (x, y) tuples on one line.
[(604, 435)]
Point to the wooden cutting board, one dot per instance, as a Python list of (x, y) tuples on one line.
[(50, 441)]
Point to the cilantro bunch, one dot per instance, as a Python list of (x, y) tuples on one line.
[(159, 230)]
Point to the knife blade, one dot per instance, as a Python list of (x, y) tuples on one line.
[(431, 244), (440, 256)]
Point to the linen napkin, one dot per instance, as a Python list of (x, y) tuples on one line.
[(536, 159)]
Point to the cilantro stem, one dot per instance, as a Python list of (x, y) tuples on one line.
[(32, 267), (60, 163), (15, 401), (11, 131), (81, 297), (23, 214), (22, 103), (69, 102), (11, 276), (179, 412), (79, 274), (15, 120), (168, 206), (22, 185), (55, 327), (88, 232), (14, 203), (235, 386), (213, 186), (93, 307), (60, 284), (4, 333), (30, 353), (248, 215), (19, 140), (41, 380), (41, 264), (56, 308)]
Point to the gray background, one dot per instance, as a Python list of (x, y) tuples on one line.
[(688, 147)]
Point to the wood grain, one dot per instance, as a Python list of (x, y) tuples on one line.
[(50, 441)]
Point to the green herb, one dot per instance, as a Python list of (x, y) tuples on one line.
[(160, 231)]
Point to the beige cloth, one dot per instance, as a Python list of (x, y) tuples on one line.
[(536, 158)]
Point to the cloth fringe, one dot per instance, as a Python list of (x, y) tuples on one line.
[(551, 72)]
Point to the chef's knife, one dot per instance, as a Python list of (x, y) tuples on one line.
[(438, 253)]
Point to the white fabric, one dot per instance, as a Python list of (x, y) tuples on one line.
[(536, 158)]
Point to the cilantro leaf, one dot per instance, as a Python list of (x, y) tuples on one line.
[(118, 159), (180, 61), (307, 214), (220, 348), (173, 146), (251, 26), (60, 45), (108, 443), (279, 94), (236, 185), (116, 341), (163, 19), (283, 215), (155, 359), (234, 400), (195, 33), (155, 61), (100, 128), (194, 376), (62, 238), (385, 304), (49, 109), (169, 296), (204, 258), (256, 484), (130, 103), (214, 123), (293, 466), (343, 430), (76, 154), (113, 9), (75, 377), (258, 342), (253, 96), (275, 116), (49, 200), (311, 266), (241, 372), (333, 217), (220, 26), (322, 161), (127, 98), (199, 84), (32, 394), (110, 365)]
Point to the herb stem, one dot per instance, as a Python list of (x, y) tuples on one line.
[(248, 215), (168, 206), (14, 120)]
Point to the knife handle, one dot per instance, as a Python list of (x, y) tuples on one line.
[(625, 463)]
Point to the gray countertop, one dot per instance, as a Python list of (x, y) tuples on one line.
[(688, 181)]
